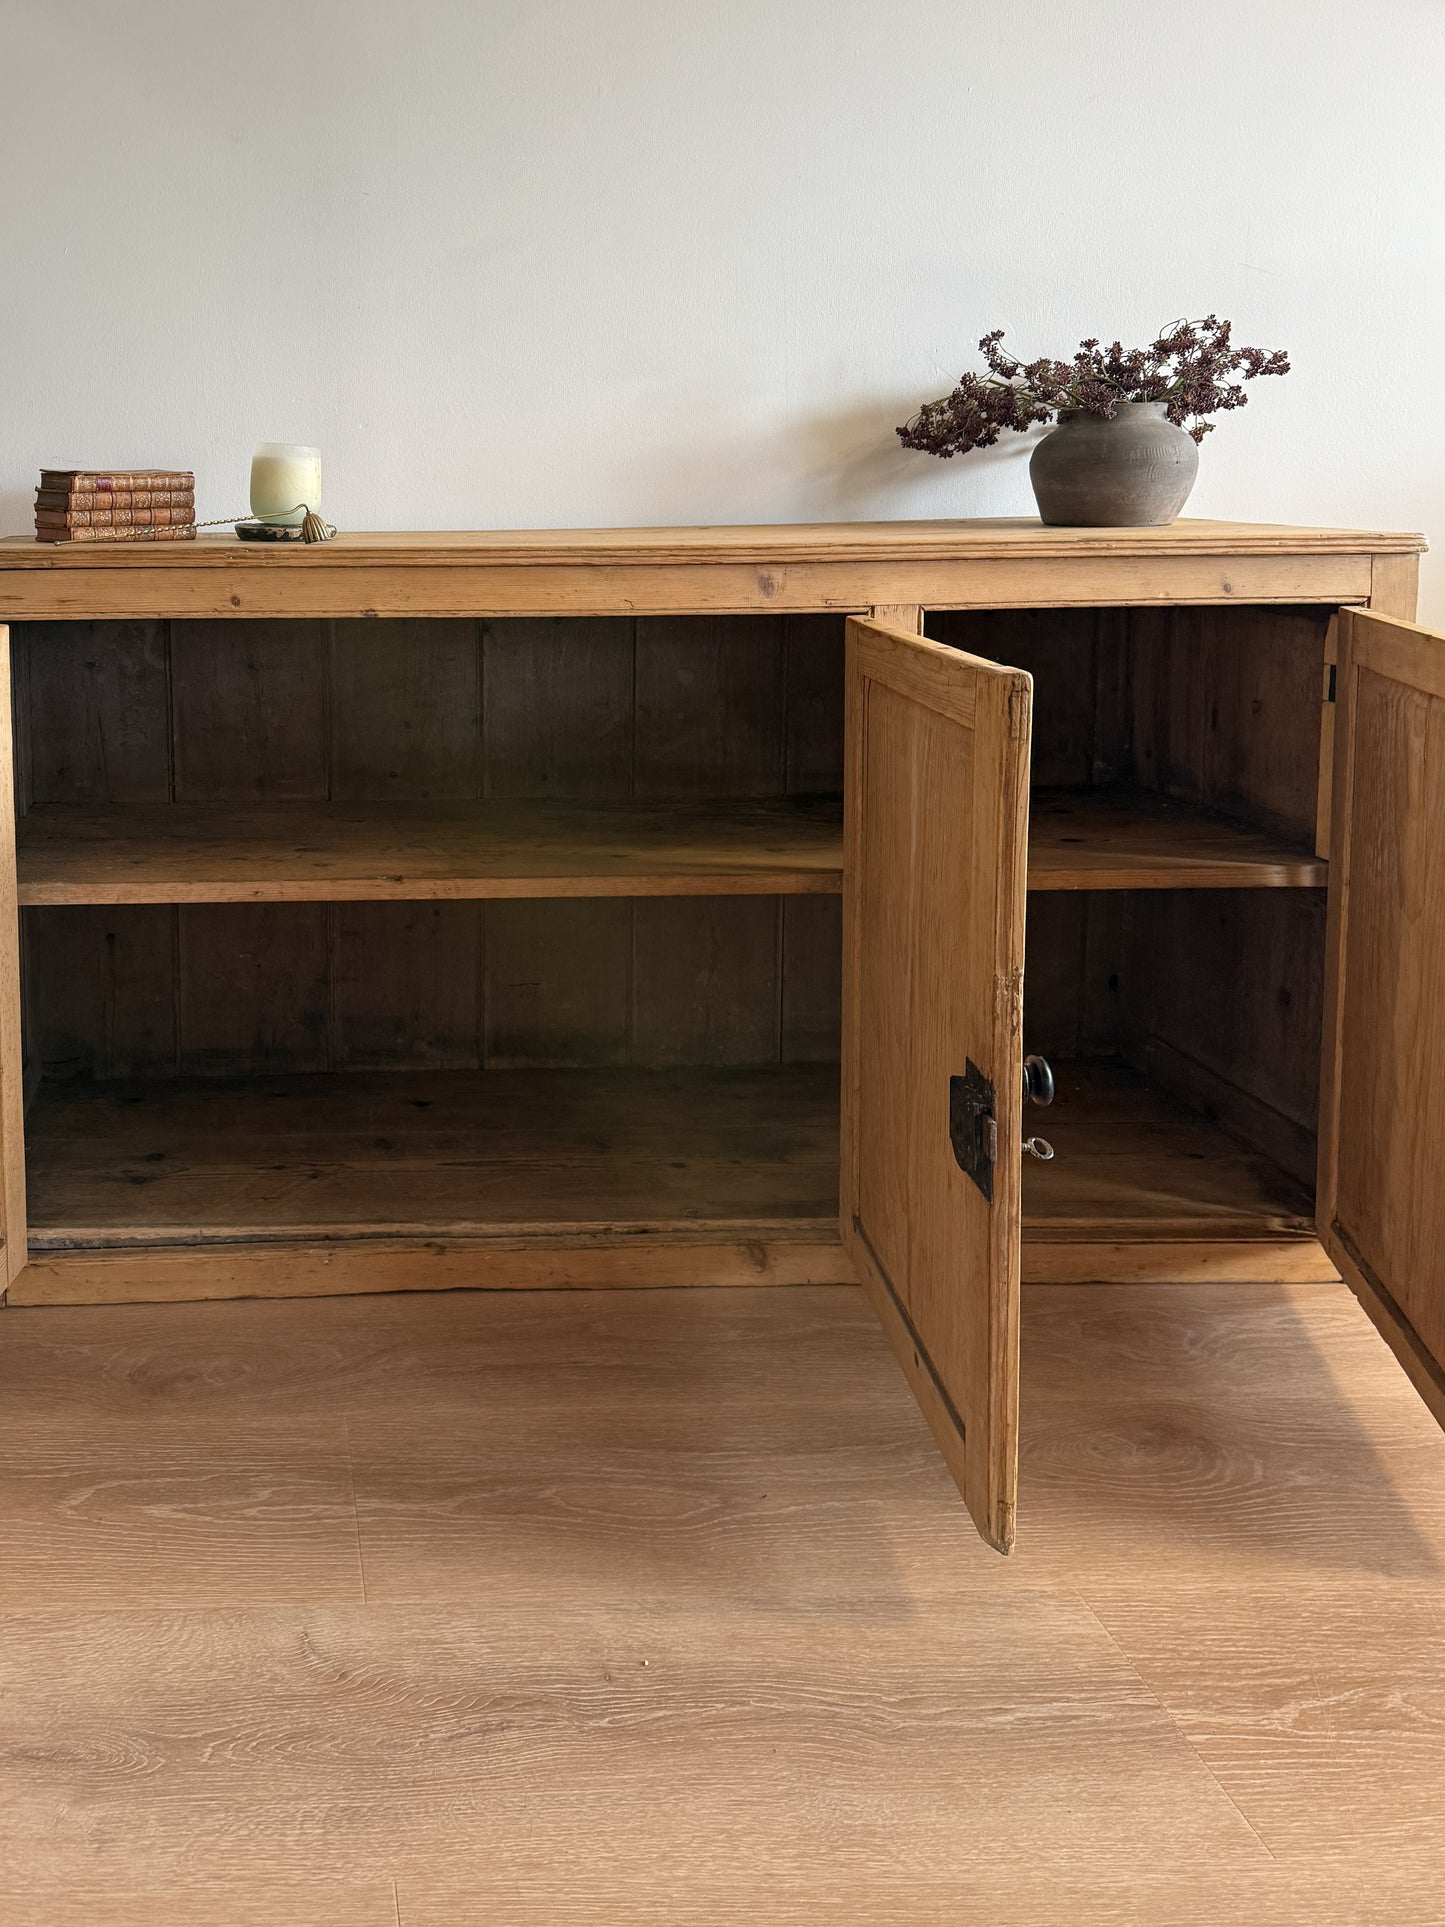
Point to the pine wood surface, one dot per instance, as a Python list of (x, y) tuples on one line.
[(720, 1158), (549, 1258), (373, 722), (610, 572), (1128, 1155), (296, 853), (537, 1609), (440, 1154), (793, 541), (935, 879), (1382, 1127)]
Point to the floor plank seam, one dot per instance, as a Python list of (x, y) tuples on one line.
[(1194, 1750)]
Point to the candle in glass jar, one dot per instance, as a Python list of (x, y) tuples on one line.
[(285, 482)]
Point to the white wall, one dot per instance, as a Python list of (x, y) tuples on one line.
[(566, 262)]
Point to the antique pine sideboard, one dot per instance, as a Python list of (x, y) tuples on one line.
[(498, 910)]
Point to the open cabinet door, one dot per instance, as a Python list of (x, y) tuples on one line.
[(14, 1253), (1381, 1202), (934, 881)]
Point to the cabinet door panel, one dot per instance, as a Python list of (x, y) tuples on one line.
[(936, 803), (1381, 1202), (12, 1054)]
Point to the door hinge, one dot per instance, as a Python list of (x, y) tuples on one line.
[(973, 1126)]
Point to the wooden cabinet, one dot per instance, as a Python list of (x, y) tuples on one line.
[(508, 910)]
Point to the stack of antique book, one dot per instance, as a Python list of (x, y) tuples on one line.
[(143, 504)]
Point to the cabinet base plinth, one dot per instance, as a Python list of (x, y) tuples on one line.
[(166, 1274), (174, 1274)]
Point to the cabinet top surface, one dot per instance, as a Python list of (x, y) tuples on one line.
[(980, 539)]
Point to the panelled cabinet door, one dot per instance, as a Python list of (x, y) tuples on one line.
[(12, 1056), (1381, 1198), (934, 882)]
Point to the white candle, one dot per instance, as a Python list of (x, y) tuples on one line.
[(285, 482)]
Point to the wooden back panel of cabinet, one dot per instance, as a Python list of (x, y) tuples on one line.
[(578, 711)]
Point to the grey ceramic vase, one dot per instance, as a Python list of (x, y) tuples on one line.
[(1133, 472)]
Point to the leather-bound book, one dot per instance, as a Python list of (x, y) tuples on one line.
[(90, 481), (119, 498), (113, 518), (186, 533)]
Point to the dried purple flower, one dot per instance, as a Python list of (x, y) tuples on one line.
[(1187, 367)]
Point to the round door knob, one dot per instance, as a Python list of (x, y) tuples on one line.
[(1038, 1081)]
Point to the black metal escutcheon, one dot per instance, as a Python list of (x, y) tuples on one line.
[(973, 1126)]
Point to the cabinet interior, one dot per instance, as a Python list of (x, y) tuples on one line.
[(357, 928)]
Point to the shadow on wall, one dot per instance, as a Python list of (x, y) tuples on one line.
[(847, 466), (834, 466)]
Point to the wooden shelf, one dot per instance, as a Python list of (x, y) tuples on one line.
[(610, 1154), (1134, 1163), (445, 1154), (1139, 840), (357, 852), (352, 852)]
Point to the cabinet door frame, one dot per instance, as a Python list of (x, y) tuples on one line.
[(944, 774), (1413, 659), (13, 1229)]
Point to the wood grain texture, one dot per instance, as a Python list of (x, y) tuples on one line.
[(253, 987), (405, 986), (810, 1020), (639, 572), (559, 720), (674, 1752), (405, 711), (551, 1155), (1225, 710), (1395, 584), (933, 911), (411, 851), (101, 991), (742, 1657), (300, 1902), (376, 784), (1074, 657), (1324, 802), (558, 708), (249, 711), (578, 587), (985, 536), (97, 712), (549, 1258), (175, 1515), (1127, 840), (709, 707), (706, 979), (168, 853), (1131, 1163), (1222, 998), (1382, 1217), (442, 1154), (558, 984)]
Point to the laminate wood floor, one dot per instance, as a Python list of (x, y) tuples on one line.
[(659, 1607)]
